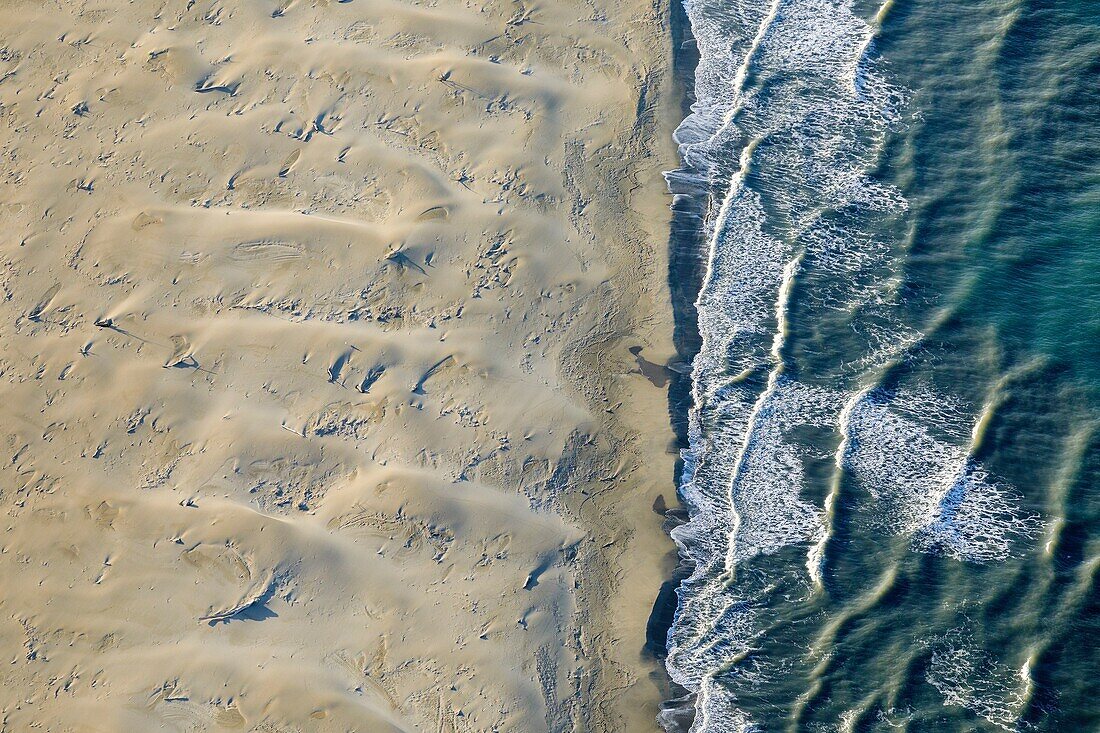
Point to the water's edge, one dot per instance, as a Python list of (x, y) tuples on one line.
[(686, 267)]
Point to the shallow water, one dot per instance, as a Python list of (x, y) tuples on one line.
[(892, 473)]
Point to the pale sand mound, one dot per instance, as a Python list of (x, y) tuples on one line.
[(318, 406)]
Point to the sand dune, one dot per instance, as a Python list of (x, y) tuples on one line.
[(319, 410)]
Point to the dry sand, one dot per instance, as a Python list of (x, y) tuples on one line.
[(319, 409)]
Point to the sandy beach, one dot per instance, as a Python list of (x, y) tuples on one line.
[(334, 364)]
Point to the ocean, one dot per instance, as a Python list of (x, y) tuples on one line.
[(888, 222)]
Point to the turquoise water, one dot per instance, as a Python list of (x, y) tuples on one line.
[(893, 475)]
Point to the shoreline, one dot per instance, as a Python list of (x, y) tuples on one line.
[(686, 270)]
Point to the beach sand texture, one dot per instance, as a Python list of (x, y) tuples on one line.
[(319, 409)]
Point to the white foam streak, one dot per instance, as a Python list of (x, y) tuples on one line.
[(928, 488), (753, 429), (815, 558), (743, 69)]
